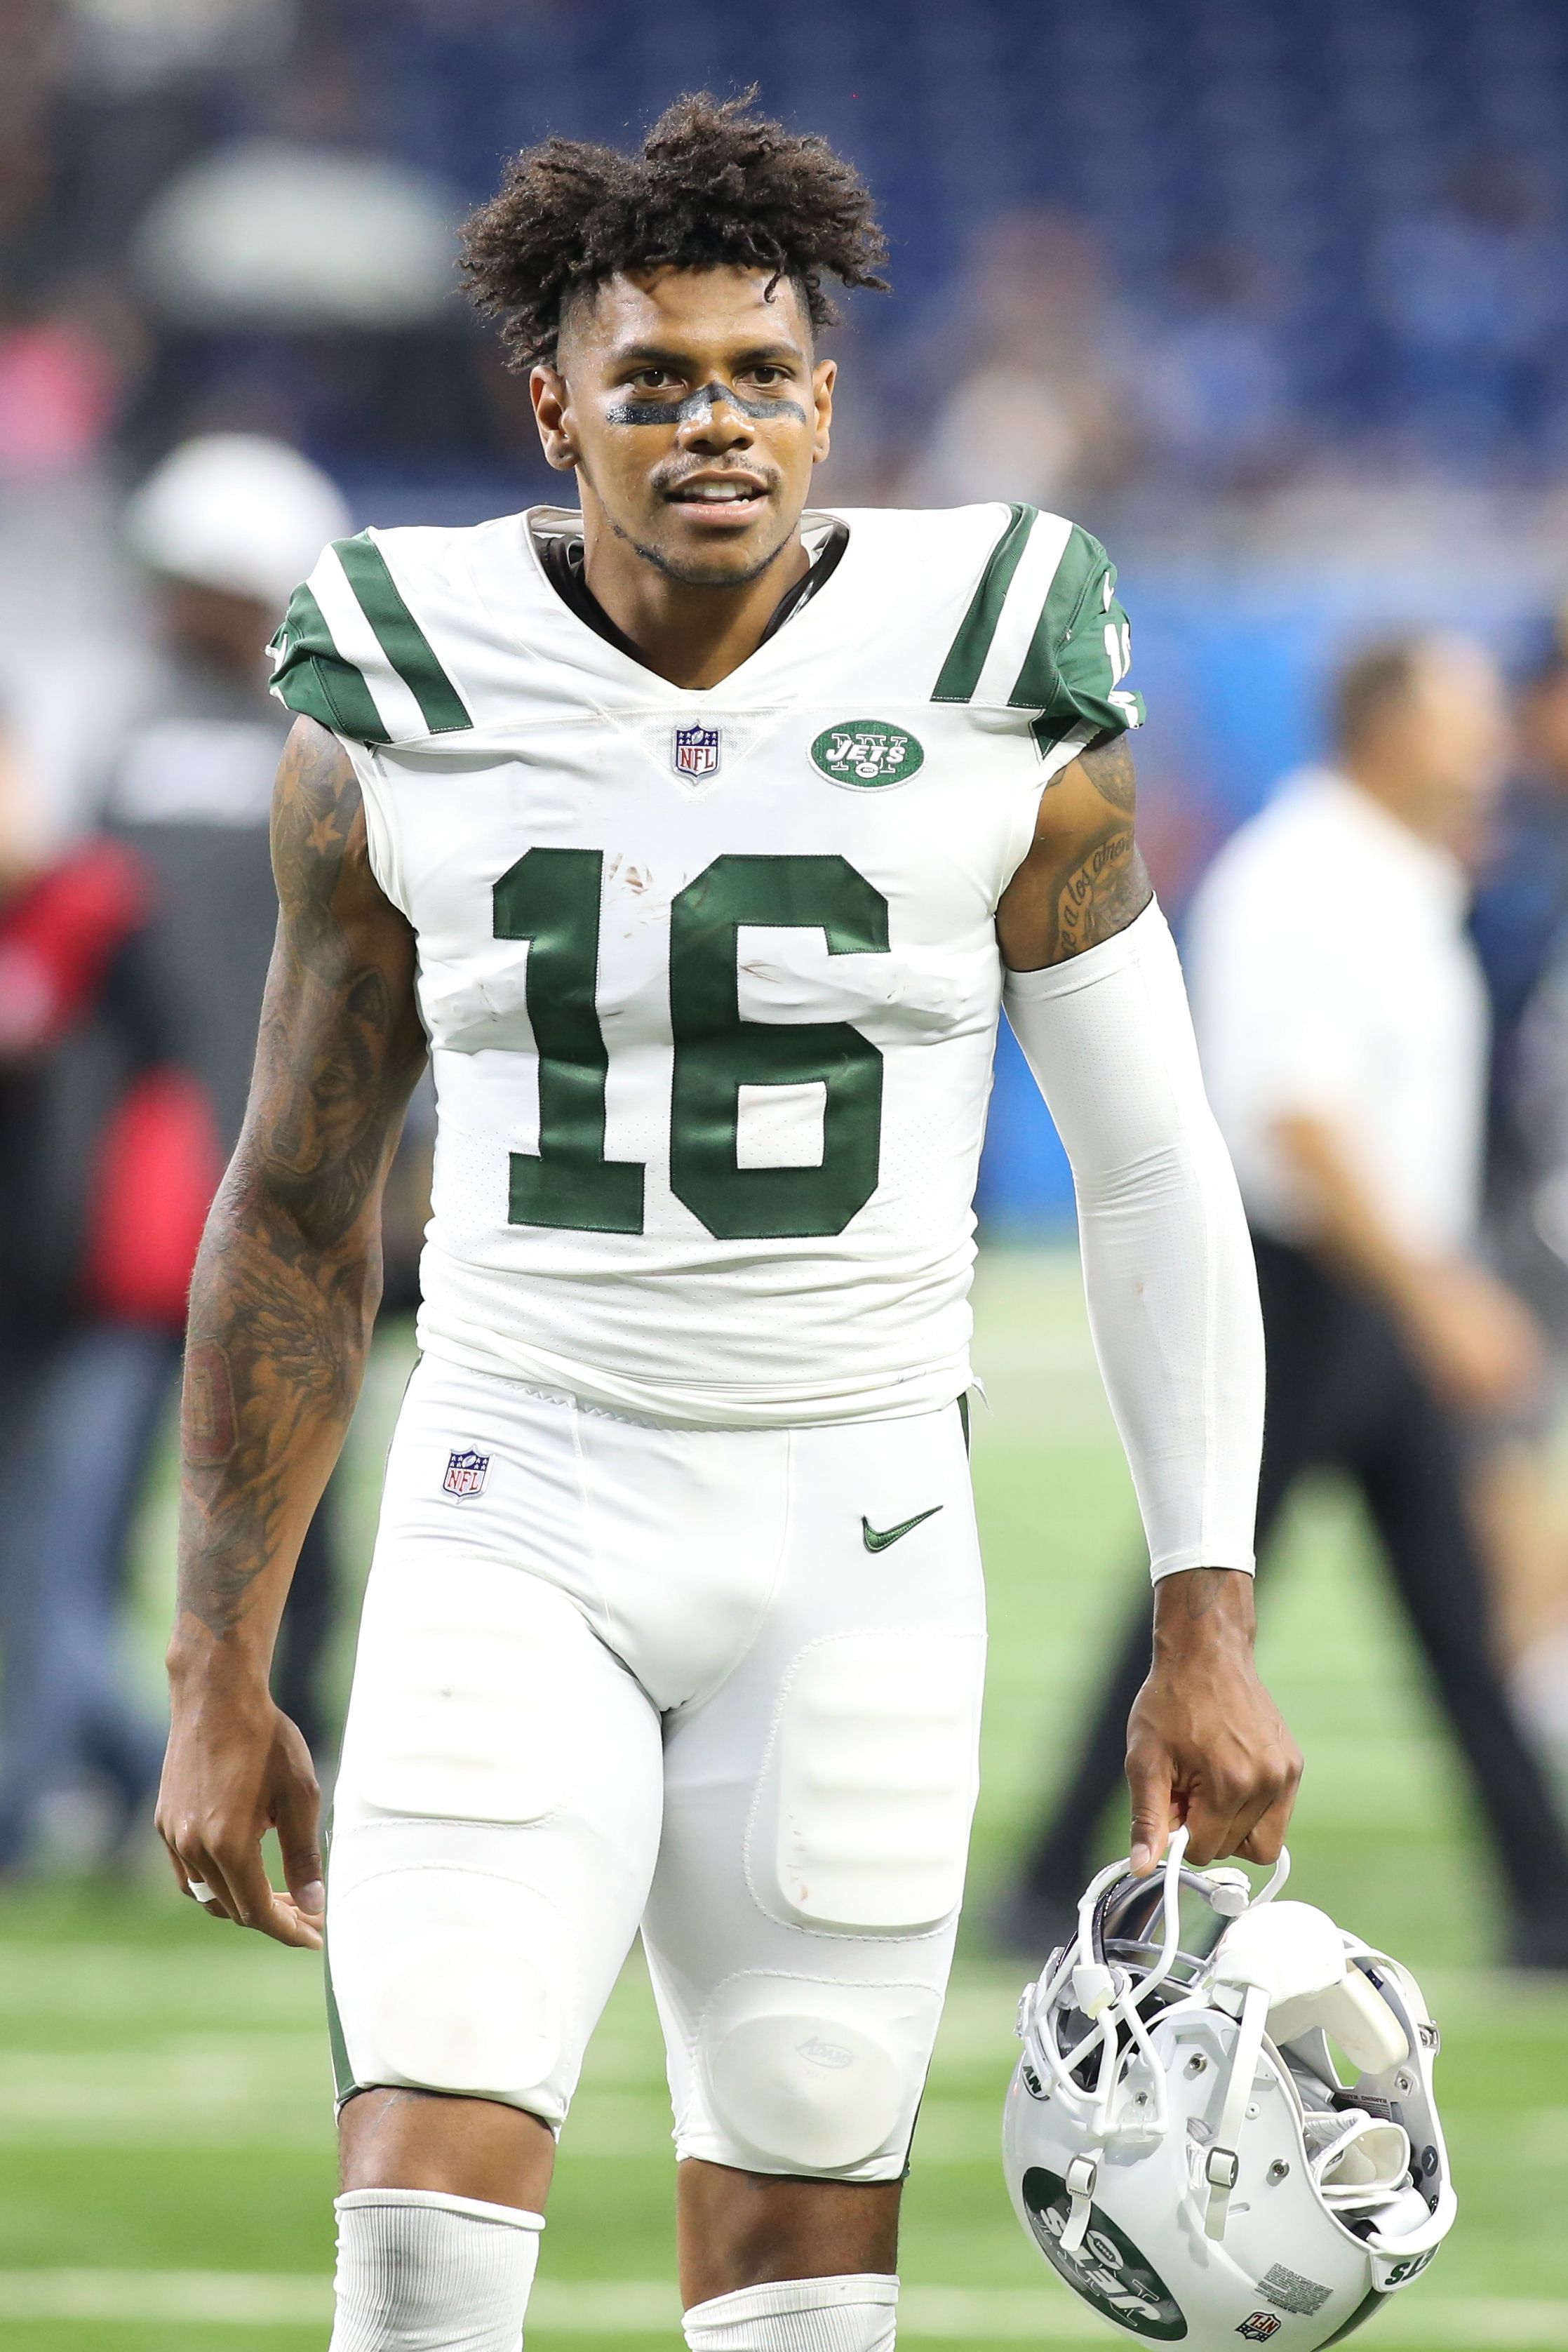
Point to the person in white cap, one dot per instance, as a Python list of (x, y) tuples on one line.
[(222, 526)]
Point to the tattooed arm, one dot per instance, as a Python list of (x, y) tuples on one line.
[(1082, 880), (1173, 1300), (284, 1296)]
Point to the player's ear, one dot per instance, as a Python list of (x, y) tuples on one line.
[(823, 377), (547, 390)]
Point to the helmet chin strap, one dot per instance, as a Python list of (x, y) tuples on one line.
[(1222, 2163)]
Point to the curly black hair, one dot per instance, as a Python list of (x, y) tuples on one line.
[(714, 183)]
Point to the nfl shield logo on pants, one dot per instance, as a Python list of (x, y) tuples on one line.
[(695, 751), (466, 1472)]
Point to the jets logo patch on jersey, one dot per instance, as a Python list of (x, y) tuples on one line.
[(867, 753), (695, 751), (465, 1472)]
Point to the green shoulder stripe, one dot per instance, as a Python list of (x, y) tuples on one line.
[(1082, 562), (402, 639), (312, 676), (960, 673)]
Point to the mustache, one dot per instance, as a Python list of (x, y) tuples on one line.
[(670, 477), (700, 404)]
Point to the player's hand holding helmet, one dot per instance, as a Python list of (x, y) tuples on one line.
[(1179, 2139)]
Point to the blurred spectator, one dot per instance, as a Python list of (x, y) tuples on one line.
[(1519, 924), (1035, 409), (1342, 1021), (1210, 387), (105, 1165), (226, 527), (1516, 922), (1471, 296), (57, 395)]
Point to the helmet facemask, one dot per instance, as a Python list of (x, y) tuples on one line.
[(1205, 2070)]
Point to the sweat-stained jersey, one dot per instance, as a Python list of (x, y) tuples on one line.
[(711, 978)]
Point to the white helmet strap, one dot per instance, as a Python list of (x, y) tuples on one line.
[(1083, 2175), (1223, 2164)]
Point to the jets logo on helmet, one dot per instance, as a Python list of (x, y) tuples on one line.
[(1179, 2142)]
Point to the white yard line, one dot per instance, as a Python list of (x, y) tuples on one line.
[(649, 2307), (153, 2102)]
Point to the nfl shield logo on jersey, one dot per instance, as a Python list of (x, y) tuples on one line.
[(695, 751), (466, 1472)]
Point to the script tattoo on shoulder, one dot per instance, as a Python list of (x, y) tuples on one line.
[(1100, 884), (289, 1277), (1108, 886)]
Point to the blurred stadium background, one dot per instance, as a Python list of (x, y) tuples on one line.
[(1274, 295)]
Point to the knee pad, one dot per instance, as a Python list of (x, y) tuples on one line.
[(857, 2314), (800, 2074), (447, 1979), (862, 1823)]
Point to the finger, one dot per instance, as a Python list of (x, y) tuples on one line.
[(1271, 1784), (1267, 1835), (294, 1817), (1211, 1810), (182, 1875), (1149, 1780), (198, 1867), (291, 1925), (258, 1905)]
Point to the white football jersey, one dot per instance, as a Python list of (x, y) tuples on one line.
[(710, 978)]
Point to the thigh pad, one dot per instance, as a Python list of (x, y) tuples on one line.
[(473, 1686), (862, 1821)]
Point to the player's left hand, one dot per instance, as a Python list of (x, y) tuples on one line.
[(1206, 1744)]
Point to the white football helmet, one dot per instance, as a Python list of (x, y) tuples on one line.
[(1179, 2141)]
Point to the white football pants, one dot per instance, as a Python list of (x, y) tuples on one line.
[(721, 1684)]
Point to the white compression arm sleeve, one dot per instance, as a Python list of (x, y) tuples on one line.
[(1167, 1264)]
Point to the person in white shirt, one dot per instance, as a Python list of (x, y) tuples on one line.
[(1343, 1025)]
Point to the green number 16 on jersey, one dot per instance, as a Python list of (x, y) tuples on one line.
[(550, 897)]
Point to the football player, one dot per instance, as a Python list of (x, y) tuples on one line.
[(698, 837)]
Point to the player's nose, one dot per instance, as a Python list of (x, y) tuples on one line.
[(719, 425)]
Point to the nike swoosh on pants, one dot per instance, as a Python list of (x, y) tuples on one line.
[(878, 1539)]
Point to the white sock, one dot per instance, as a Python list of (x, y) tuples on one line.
[(419, 2272), (825, 2314)]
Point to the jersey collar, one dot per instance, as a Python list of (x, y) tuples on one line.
[(826, 536)]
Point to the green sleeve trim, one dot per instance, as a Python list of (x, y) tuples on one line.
[(401, 638), (960, 673), (1079, 654), (1081, 564), (313, 679)]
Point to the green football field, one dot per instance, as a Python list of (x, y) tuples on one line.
[(165, 2142)]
